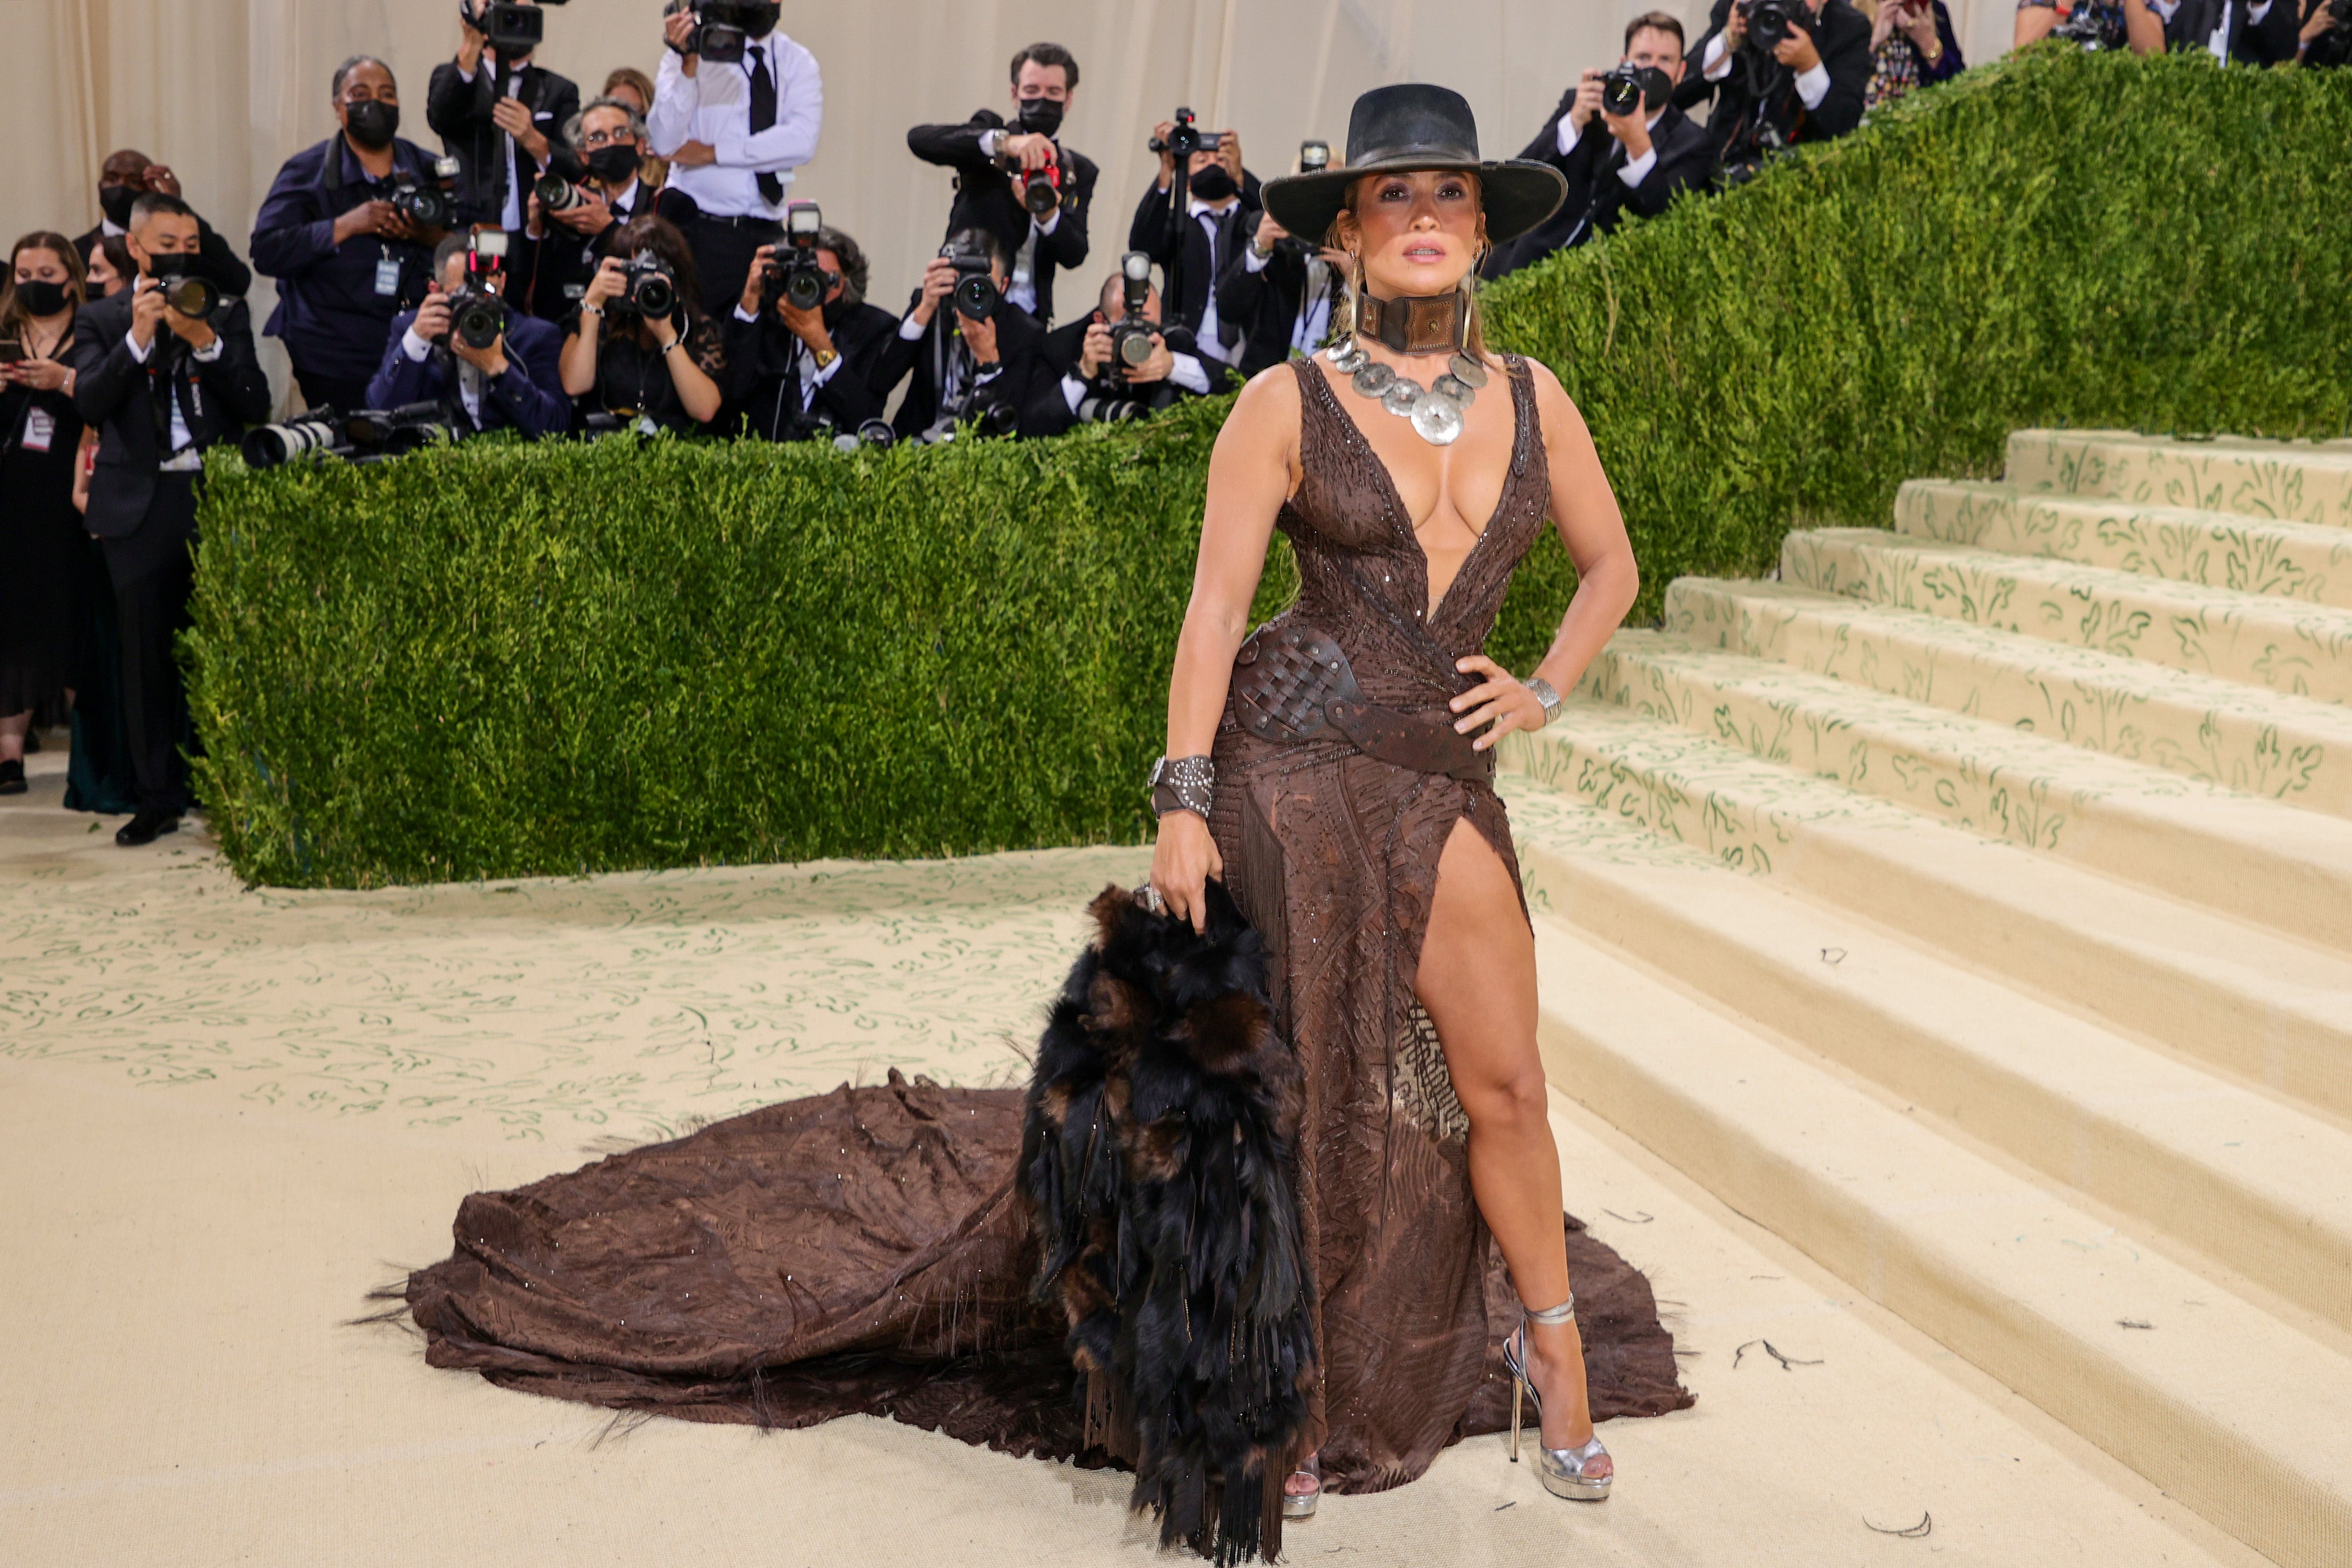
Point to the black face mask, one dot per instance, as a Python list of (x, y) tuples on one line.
[(616, 165), (1213, 184), (41, 298), (1656, 89), (757, 19), (371, 122), (1040, 116), (115, 201)]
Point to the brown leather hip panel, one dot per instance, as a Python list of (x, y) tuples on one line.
[(1294, 682)]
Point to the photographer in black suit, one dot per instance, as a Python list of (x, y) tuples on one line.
[(162, 373), (2262, 33), (1084, 382), (801, 374), (1780, 72), (994, 163), (501, 117), (965, 365), (551, 262), (1281, 290), (1195, 232), (1634, 161), (2325, 39)]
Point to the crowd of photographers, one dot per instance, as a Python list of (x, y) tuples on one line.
[(634, 262)]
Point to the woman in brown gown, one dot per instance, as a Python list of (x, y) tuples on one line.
[(1359, 829), (869, 1251)]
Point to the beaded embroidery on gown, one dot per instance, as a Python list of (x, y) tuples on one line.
[(865, 1251)]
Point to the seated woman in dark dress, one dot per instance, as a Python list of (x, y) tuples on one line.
[(45, 616), (660, 372)]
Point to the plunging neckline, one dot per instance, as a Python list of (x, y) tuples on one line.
[(1402, 516)]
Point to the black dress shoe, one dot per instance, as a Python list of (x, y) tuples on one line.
[(146, 827), (11, 777)]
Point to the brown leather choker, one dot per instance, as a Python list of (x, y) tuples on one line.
[(1415, 323)]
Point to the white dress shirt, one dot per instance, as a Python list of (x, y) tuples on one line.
[(180, 433), (511, 216), (1183, 371), (1022, 287), (810, 378), (2217, 43), (1812, 86), (1634, 171), (470, 379), (714, 106)]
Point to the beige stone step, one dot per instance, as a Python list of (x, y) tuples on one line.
[(2290, 748), (2309, 561), (2261, 1188), (2272, 1013), (2279, 644), (2218, 1402), (2299, 481), (2253, 857)]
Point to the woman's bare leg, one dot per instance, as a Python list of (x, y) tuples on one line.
[(1477, 981), (12, 735)]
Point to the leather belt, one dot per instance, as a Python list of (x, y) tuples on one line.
[(1294, 682)]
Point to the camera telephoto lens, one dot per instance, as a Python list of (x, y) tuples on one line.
[(1105, 409), (316, 430), (556, 193), (1621, 91), (193, 297), (476, 320)]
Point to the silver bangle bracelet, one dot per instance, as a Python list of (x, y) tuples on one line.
[(1545, 692)]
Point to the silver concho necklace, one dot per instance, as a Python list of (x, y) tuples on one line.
[(1433, 325)]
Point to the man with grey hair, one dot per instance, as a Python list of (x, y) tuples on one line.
[(556, 255)]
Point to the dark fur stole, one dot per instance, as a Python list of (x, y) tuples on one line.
[(1157, 1156)]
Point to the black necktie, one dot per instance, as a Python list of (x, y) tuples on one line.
[(763, 116)]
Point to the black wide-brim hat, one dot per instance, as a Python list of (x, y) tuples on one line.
[(1406, 128)]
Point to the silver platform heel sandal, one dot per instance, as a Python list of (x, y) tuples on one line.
[(1562, 1471)]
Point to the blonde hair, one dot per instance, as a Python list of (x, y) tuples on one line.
[(1343, 314)]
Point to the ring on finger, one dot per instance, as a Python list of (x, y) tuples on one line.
[(1151, 895)]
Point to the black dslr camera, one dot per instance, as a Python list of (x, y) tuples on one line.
[(1184, 137), (477, 317), (794, 275), (976, 294), (557, 194), (726, 27), (647, 289), (1622, 90), (1040, 188), (1130, 335), (433, 206), (1768, 22), (511, 29), (190, 292)]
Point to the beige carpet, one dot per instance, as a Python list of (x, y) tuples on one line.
[(224, 1115)]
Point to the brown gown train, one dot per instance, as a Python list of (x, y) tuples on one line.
[(865, 1251)]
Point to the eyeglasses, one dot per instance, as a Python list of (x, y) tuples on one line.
[(608, 138)]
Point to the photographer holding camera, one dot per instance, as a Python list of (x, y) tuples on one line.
[(2325, 40), (164, 370), (1780, 72), (1118, 364), (511, 381), (977, 359), (122, 179), (1016, 181), (639, 347), (1282, 289), (500, 116), (737, 105), (1620, 141), (803, 343), (1193, 234), (551, 262), (347, 232)]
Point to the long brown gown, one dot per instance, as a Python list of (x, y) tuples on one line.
[(865, 1251)]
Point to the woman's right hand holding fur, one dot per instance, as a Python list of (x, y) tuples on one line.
[(1183, 862)]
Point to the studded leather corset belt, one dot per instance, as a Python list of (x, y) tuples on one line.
[(1294, 682)]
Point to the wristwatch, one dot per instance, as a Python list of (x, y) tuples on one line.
[(825, 357)]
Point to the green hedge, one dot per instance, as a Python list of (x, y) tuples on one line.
[(510, 660)]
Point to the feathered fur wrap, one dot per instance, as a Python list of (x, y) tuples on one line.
[(1158, 1158)]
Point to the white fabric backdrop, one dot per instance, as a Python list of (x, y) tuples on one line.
[(224, 90)]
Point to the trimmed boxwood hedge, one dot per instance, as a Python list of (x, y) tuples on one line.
[(506, 660)]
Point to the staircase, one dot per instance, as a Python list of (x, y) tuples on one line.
[(1972, 907)]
